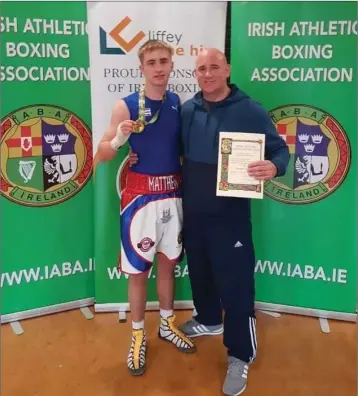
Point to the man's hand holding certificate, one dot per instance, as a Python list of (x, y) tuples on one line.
[(262, 170), (242, 168)]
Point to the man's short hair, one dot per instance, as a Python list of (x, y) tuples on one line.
[(152, 45)]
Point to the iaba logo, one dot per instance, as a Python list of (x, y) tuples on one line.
[(46, 155), (320, 155), (124, 46)]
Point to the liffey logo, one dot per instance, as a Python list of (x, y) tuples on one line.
[(121, 46), (124, 46), (320, 155), (46, 155)]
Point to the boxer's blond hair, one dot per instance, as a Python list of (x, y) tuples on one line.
[(152, 45)]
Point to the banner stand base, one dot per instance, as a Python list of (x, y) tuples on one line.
[(87, 313), (32, 313), (16, 328), (270, 313), (188, 305), (318, 313), (324, 325), (151, 306)]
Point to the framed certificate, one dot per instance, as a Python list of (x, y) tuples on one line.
[(236, 151)]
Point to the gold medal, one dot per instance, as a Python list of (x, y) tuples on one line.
[(138, 127)]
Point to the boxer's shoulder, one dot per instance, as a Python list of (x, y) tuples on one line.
[(131, 99)]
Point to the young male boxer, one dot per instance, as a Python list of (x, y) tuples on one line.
[(151, 207)]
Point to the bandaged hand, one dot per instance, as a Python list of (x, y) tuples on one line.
[(124, 130)]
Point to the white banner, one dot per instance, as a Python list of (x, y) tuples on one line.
[(116, 31)]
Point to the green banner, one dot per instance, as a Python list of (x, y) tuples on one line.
[(111, 283), (299, 60), (46, 156)]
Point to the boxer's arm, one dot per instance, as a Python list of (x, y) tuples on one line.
[(120, 113)]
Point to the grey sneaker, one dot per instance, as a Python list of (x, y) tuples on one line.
[(192, 329), (236, 377)]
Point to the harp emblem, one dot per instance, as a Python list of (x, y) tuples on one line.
[(26, 169)]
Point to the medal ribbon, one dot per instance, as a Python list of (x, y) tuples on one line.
[(142, 108)]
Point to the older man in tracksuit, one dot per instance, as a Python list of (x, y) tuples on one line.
[(217, 230)]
